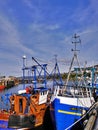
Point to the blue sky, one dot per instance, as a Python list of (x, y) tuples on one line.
[(43, 28)]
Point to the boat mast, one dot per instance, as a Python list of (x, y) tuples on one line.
[(56, 72), (76, 40)]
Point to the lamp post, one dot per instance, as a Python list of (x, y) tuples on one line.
[(24, 64)]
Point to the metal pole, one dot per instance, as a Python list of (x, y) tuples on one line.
[(24, 64)]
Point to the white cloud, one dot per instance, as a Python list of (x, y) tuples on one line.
[(11, 46), (53, 27), (11, 36)]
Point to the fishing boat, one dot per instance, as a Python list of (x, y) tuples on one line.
[(2, 87), (28, 105), (28, 108), (71, 101)]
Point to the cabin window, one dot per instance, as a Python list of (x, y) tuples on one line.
[(21, 105), (34, 96)]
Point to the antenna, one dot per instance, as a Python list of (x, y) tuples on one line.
[(76, 40), (55, 57)]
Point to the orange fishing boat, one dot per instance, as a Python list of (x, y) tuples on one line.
[(27, 106), (28, 109)]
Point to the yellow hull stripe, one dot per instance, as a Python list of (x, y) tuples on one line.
[(71, 113)]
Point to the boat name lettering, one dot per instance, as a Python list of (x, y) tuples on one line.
[(76, 109)]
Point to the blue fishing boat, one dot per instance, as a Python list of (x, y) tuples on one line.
[(71, 101)]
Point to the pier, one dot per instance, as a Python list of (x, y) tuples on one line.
[(92, 122)]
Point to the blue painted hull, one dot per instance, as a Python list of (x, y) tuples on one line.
[(4, 125), (65, 115)]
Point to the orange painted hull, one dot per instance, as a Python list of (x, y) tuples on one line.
[(4, 115)]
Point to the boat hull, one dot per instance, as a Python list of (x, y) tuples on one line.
[(65, 114), (4, 125), (2, 87), (4, 116)]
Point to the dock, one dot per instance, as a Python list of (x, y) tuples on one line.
[(92, 122)]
